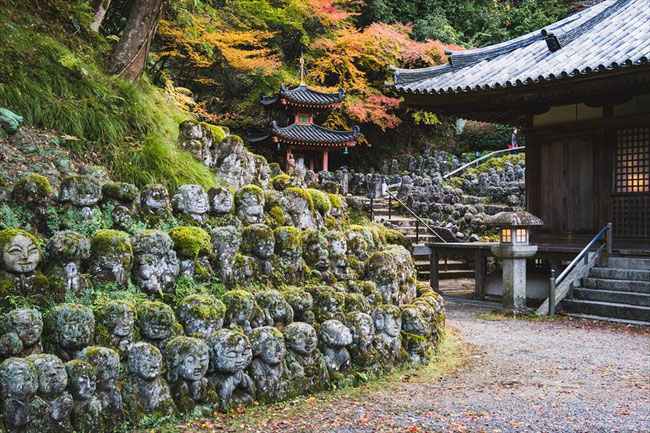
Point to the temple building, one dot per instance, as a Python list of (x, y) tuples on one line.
[(304, 143)]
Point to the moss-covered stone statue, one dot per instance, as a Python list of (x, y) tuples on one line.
[(194, 249), (258, 241), (221, 200), (362, 351), (328, 304), (87, 409), (145, 392), (32, 191), (157, 323), (416, 334), (382, 270), (230, 355), (107, 366), (356, 302), (357, 245), (298, 204), (156, 265), (20, 333), (388, 325), (368, 289), (249, 204), (191, 201), (52, 407), (315, 252), (335, 337), (269, 369), (305, 362), (277, 311), (111, 257), (201, 315), (116, 326), (21, 255), (154, 203), (18, 385), (120, 194), (301, 303), (225, 244), (338, 247), (81, 192), (68, 329), (288, 254), (187, 361), (240, 308), (66, 252)]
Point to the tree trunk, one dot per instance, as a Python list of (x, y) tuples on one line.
[(129, 57), (100, 7)]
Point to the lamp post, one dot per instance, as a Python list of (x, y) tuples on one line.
[(513, 249)]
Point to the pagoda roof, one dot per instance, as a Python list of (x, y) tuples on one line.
[(611, 36), (310, 135), (303, 96)]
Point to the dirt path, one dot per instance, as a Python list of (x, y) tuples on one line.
[(518, 376)]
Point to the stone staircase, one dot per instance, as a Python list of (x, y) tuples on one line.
[(618, 290), (448, 269)]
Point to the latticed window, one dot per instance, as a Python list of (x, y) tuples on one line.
[(506, 236), (632, 160), (520, 236)]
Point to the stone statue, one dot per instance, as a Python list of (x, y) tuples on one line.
[(192, 201), (107, 366), (156, 266), (315, 251), (32, 191), (388, 325), (20, 257), (277, 311), (24, 327), (288, 253), (269, 368), (362, 351), (240, 307), (356, 302), (382, 270), (415, 334), (291, 164), (305, 362), (18, 385), (120, 194), (258, 240), (68, 329), (87, 409), (116, 326), (221, 200), (157, 323), (338, 248), (111, 257), (194, 249), (230, 355), (52, 408), (357, 245), (154, 202), (145, 392), (66, 251), (225, 243), (201, 315), (328, 304), (368, 289), (334, 339), (187, 363), (249, 204), (301, 303), (82, 192)]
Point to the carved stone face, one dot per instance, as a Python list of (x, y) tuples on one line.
[(221, 200), (111, 256), (272, 302), (268, 345), (118, 318), (82, 379), (261, 240), (201, 315), (337, 243), (28, 324), (156, 264), (52, 377), (288, 243), (388, 320), (301, 338), (250, 207), (334, 333), (106, 362), (239, 306), (230, 351), (20, 255), (154, 198), (80, 190), (191, 199), (67, 247), (315, 250), (156, 320), (187, 358), (362, 328), (144, 361), (74, 326), (413, 321), (18, 379), (329, 304)]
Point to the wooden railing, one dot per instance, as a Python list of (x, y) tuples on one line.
[(482, 158)]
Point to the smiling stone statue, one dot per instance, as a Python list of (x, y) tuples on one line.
[(25, 328), (20, 257), (52, 413), (187, 363)]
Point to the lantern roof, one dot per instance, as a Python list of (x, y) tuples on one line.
[(515, 219), (310, 135), (302, 96)]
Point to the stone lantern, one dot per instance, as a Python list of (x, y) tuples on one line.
[(514, 249)]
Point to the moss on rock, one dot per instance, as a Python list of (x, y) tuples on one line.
[(32, 190), (191, 242)]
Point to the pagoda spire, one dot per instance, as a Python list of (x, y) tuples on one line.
[(302, 69)]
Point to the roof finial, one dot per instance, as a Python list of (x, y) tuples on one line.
[(302, 69)]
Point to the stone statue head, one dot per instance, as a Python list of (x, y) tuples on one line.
[(156, 320), (144, 361), (315, 250), (362, 328), (118, 317), (356, 302), (357, 245), (221, 200), (268, 345), (249, 203), (301, 338), (71, 326), (80, 191), (338, 243), (413, 321), (83, 379), (239, 308), (388, 320), (328, 304), (18, 379), (230, 351), (68, 246), (52, 377), (154, 200), (259, 240), (20, 251), (382, 269), (32, 191), (301, 303), (191, 200), (335, 334), (156, 265), (27, 324), (275, 306), (106, 362), (201, 315), (187, 359), (288, 242), (111, 256), (120, 192)]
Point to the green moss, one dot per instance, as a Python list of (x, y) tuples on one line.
[(248, 189), (277, 214), (287, 239), (321, 201), (302, 193), (106, 241), (281, 182), (126, 192), (337, 200), (32, 186), (7, 236), (190, 242), (218, 134)]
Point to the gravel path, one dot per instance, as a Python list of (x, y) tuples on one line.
[(519, 376)]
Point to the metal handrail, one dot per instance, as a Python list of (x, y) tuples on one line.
[(417, 218), (584, 254), (477, 160)]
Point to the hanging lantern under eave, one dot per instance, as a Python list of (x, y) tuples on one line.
[(346, 151)]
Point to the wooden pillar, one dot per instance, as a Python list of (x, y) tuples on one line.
[(479, 277), (311, 163), (325, 160), (433, 269), (286, 160)]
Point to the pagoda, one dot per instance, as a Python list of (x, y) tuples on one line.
[(303, 139)]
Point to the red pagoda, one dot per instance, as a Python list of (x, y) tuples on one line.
[(304, 139)]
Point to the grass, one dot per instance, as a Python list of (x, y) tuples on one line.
[(530, 317), (52, 76)]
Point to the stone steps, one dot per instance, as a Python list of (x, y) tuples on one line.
[(607, 309), (621, 274), (612, 296), (616, 285), (637, 263)]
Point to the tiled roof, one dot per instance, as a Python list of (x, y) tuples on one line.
[(314, 134), (611, 35), (303, 95)]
